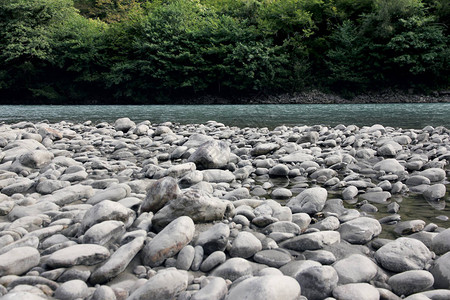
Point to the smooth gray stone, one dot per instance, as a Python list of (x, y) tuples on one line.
[(329, 223), (281, 193), (32, 210), (322, 256), (309, 201), (408, 227), (157, 287), (389, 166), (264, 148), (23, 295), (20, 186), (214, 239), (104, 232), (211, 155), (312, 241), (403, 254), (18, 260), (104, 211), (104, 292), (279, 170), (49, 186), (439, 294), (273, 258), (317, 282), (267, 287), (441, 242), (28, 241), (355, 268), (213, 260), (245, 245), (417, 180), (441, 272), (124, 124), (282, 226), (76, 272), (72, 290), (302, 220), (198, 258), (360, 230), (215, 288), (185, 258), (118, 261), (356, 291), (169, 241), (411, 282), (294, 267), (70, 194), (376, 197), (233, 268), (435, 192), (80, 254), (434, 174), (114, 192), (159, 193), (218, 176)]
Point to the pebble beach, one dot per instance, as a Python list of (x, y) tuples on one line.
[(125, 210)]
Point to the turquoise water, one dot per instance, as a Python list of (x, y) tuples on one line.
[(395, 115)]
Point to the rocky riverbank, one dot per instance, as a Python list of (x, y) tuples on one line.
[(168, 211)]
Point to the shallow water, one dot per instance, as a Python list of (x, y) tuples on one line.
[(407, 115)]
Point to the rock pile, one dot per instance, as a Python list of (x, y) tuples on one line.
[(169, 211)]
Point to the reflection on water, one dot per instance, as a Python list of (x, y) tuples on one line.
[(396, 115)]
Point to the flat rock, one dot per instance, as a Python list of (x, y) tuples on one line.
[(411, 282), (269, 287), (157, 287), (233, 268), (18, 260), (356, 291), (169, 241), (104, 211), (312, 241), (273, 257), (355, 268), (403, 254), (80, 254), (360, 230)]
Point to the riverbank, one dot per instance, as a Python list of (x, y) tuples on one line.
[(318, 97), (208, 211)]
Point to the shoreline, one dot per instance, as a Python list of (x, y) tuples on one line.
[(129, 210)]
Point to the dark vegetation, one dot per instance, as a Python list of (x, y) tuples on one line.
[(142, 52)]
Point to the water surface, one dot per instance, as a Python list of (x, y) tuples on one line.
[(266, 115)]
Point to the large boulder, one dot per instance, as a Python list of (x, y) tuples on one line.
[(159, 193), (169, 241), (166, 284), (269, 287), (309, 201), (403, 254), (441, 272), (201, 207), (211, 155)]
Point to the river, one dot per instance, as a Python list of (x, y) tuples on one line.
[(405, 115)]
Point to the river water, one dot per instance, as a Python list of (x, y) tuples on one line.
[(405, 115)]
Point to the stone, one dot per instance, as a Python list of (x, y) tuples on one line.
[(312, 241), (302, 220), (71, 290), (233, 268), (80, 254), (322, 256), (269, 287), (296, 157), (309, 201), (215, 288), (411, 282), (114, 192), (20, 186), (218, 176), (264, 148), (18, 260), (294, 267), (441, 272), (440, 244), (104, 211), (169, 241), (273, 257), (408, 227), (403, 254), (376, 197), (279, 170), (350, 192), (157, 287), (434, 174), (417, 180), (124, 124), (282, 226), (213, 260), (104, 292), (104, 232), (199, 206), (214, 239), (356, 291), (317, 282), (185, 258), (355, 268), (118, 261), (211, 155), (360, 230), (389, 166), (36, 158), (245, 245), (435, 192), (159, 193), (49, 186)]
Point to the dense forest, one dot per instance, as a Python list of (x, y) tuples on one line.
[(142, 52)]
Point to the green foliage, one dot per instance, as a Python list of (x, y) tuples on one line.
[(143, 50)]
